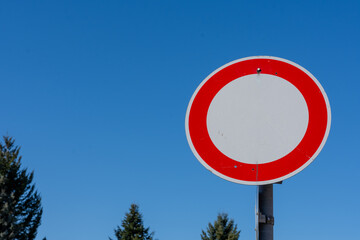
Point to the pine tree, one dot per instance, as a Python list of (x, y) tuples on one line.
[(133, 226), (223, 229), (20, 203)]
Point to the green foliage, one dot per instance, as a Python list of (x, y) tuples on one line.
[(223, 229), (133, 226), (20, 204)]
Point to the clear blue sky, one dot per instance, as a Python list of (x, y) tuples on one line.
[(96, 92)]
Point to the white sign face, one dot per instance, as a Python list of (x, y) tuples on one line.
[(258, 120), (273, 116)]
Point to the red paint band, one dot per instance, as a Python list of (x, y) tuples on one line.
[(267, 171)]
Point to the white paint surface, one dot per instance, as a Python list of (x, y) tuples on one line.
[(257, 118)]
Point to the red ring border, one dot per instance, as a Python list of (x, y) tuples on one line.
[(278, 169)]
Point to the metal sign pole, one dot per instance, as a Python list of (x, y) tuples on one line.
[(266, 214)]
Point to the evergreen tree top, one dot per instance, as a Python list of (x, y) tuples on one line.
[(222, 229), (132, 226), (20, 204)]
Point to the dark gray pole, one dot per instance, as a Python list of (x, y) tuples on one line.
[(266, 213)]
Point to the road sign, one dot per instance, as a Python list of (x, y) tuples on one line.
[(258, 120)]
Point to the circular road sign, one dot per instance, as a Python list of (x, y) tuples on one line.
[(258, 120)]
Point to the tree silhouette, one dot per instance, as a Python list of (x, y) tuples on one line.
[(20, 203), (223, 229), (132, 227)]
